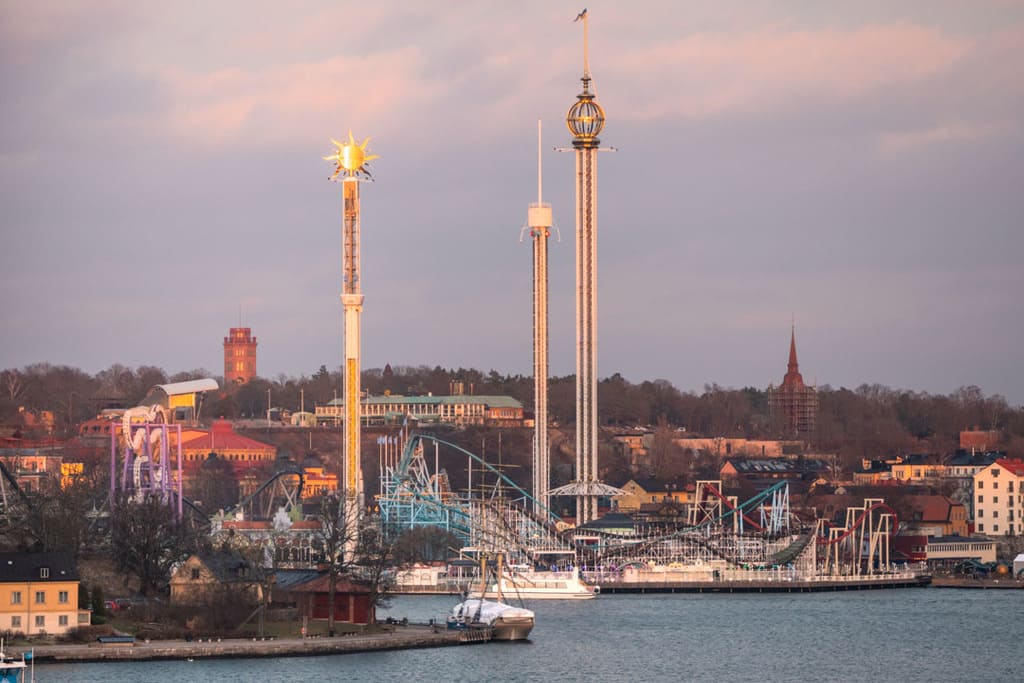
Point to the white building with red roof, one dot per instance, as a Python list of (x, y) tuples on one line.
[(998, 499)]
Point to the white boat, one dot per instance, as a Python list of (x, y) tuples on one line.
[(542, 585), (14, 670), (507, 622)]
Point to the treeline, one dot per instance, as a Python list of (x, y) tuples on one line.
[(868, 421)]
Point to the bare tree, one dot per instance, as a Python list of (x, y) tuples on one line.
[(334, 536), (147, 540), (362, 554)]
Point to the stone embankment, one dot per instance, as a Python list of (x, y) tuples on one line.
[(401, 638)]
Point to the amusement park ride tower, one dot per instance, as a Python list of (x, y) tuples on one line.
[(539, 221), (351, 159), (585, 121)]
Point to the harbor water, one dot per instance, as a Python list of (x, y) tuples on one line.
[(923, 634)]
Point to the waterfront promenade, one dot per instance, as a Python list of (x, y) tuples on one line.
[(401, 638)]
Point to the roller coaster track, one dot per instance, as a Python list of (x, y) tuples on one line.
[(789, 554), (409, 499), (292, 497), (859, 521), (10, 479)]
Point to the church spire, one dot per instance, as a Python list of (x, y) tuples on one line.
[(793, 377)]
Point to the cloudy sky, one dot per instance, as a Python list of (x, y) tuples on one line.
[(857, 166)]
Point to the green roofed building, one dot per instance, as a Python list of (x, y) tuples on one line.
[(496, 411)]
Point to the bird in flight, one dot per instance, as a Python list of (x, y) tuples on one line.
[(581, 15)]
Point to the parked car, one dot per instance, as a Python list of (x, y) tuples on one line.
[(122, 603), (110, 606)]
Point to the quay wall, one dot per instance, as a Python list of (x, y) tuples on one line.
[(402, 638)]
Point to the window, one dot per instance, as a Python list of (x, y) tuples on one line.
[(44, 572), (995, 484), (40, 597), (15, 622), (981, 484), (15, 597), (40, 621), (62, 597), (995, 499), (195, 574), (981, 499), (62, 620), (981, 513), (995, 527), (1009, 486), (995, 513), (981, 527)]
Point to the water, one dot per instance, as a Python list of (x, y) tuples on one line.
[(906, 635)]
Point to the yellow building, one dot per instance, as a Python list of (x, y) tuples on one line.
[(208, 578), (39, 594), (318, 482), (641, 492)]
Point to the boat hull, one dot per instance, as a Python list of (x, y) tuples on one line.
[(513, 628)]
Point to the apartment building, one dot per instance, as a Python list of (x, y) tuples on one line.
[(998, 498)]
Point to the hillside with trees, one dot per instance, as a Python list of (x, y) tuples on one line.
[(867, 421)]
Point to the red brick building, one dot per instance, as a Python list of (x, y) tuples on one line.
[(239, 356)]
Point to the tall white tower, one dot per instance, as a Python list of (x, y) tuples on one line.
[(585, 121), (351, 159), (540, 222)]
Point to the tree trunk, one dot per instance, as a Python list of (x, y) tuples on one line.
[(330, 602)]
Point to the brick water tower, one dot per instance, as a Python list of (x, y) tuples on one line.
[(239, 356)]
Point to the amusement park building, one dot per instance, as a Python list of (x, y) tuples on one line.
[(934, 515), (998, 500), (243, 453), (641, 492), (499, 411)]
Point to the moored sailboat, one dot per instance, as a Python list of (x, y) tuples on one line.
[(505, 621)]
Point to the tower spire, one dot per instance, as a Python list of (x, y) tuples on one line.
[(793, 377)]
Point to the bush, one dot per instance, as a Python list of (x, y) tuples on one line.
[(87, 634)]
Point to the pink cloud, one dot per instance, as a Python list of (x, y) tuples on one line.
[(706, 75), (282, 102), (939, 134)]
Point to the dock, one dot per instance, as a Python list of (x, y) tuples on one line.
[(402, 638), (810, 585)]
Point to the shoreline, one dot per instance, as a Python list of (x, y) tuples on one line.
[(402, 638)]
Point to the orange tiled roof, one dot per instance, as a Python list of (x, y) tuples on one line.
[(1014, 465)]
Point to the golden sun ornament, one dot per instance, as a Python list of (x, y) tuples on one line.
[(351, 158)]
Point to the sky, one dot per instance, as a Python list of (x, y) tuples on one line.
[(857, 168)]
